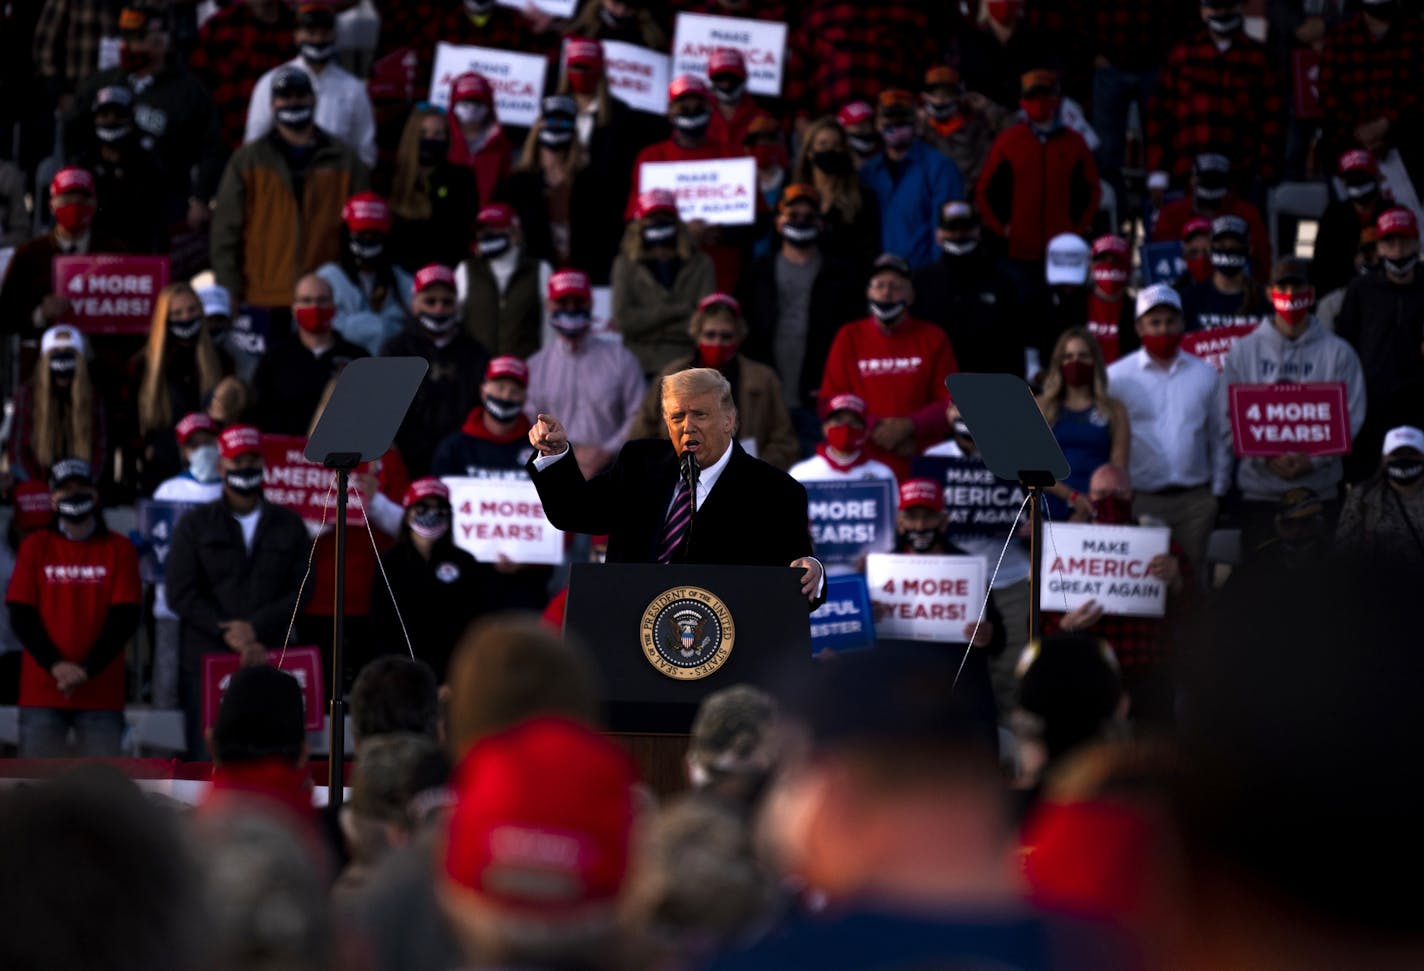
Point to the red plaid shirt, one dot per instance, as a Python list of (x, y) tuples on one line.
[(1137, 36), (840, 52), (1362, 79), (505, 29), (773, 11), (234, 49), (1213, 101), (67, 35)]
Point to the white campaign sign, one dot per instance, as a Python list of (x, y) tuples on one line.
[(502, 516), (924, 598), (719, 190), (637, 76), (517, 79), (554, 8), (762, 43), (1105, 564)]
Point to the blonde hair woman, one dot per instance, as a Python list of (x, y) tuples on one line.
[(850, 212), (57, 413), (1091, 426), (423, 232)]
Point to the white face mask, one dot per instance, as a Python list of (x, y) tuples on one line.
[(470, 112), (203, 463)]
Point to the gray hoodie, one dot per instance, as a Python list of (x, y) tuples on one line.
[(1266, 356)]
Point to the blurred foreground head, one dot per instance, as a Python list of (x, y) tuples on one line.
[(736, 744), (93, 877), (1301, 785)]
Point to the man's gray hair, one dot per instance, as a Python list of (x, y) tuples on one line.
[(698, 380)]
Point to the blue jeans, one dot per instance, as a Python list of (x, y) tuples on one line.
[(1114, 91), (44, 733)]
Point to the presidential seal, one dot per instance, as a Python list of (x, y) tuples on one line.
[(687, 633)]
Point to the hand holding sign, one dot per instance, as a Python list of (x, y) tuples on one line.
[(548, 436)]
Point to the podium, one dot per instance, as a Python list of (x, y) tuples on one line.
[(666, 636)]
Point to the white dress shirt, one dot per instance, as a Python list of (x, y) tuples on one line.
[(1176, 425), (343, 108)]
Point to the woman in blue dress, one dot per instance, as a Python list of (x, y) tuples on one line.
[(1090, 426)]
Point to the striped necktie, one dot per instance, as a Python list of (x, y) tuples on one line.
[(679, 519)]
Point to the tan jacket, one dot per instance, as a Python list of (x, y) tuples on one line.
[(761, 412), (653, 319), (263, 240)]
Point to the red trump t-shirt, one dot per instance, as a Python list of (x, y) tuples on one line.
[(73, 583)]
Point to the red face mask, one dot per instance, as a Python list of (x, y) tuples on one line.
[(846, 439), (314, 319), (769, 156), (1199, 268), (74, 217), (1293, 307), (1005, 12), (583, 82), (716, 355), (1110, 278), (1163, 346), (1113, 510), (1077, 374), (1040, 111)]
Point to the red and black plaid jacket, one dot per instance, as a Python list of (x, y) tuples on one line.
[(506, 30), (774, 11), (1362, 79), (840, 52), (234, 49), (1137, 36), (1212, 101)]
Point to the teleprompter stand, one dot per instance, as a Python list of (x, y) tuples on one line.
[(366, 408), (1015, 443)]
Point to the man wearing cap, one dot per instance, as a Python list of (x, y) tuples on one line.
[(796, 298), (1218, 88), (343, 108), (477, 141), (958, 123), (858, 120), (28, 303), (597, 384), (294, 372), (734, 109), (697, 497), (911, 181), (234, 573), (457, 366), (371, 292), (74, 599), (690, 114), (1040, 179), (127, 176), (493, 441), (1212, 193), (842, 454), (1366, 62), (1110, 312), (498, 285), (235, 47), (1337, 241), (1292, 349), (1387, 511), (1063, 302), (964, 292), (172, 111), (199, 482), (1230, 298), (1181, 441), (278, 209), (1382, 318), (896, 364), (1196, 253)]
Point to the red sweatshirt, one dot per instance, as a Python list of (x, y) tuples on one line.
[(899, 373), (1031, 189), (490, 164), (670, 151)]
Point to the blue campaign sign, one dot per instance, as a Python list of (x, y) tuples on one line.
[(979, 503), (850, 518), (1162, 262), (844, 621), (156, 519)]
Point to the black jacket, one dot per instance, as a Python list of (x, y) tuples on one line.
[(438, 599), (756, 515), (212, 577), (837, 297), (1384, 323), (977, 307), (290, 380), (445, 236), (595, 221), (129, 193), (445, 397)]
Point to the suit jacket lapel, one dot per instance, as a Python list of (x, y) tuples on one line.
[(728, 476)]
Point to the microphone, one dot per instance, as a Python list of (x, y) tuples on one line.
[(688, 469)]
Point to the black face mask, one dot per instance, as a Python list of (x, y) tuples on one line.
[(367, 248), (659, 234), (1224, 24), (185, 330), (1362, 192), (63, 363), (495, 244), (1228, 264), (503, 409), (887, 311), (556, 137), (1401, 266), (941, 110), (961, 430), (833, 162), (109, 134), (729, 92), (438, 323), (864, 145), (1405, 470), (244, 482), (76, 508), (693, 126), (801, 235), (917, 540), (318, 53), (297, 117), (432, 150)]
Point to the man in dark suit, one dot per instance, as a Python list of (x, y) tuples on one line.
[(746, 512)]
